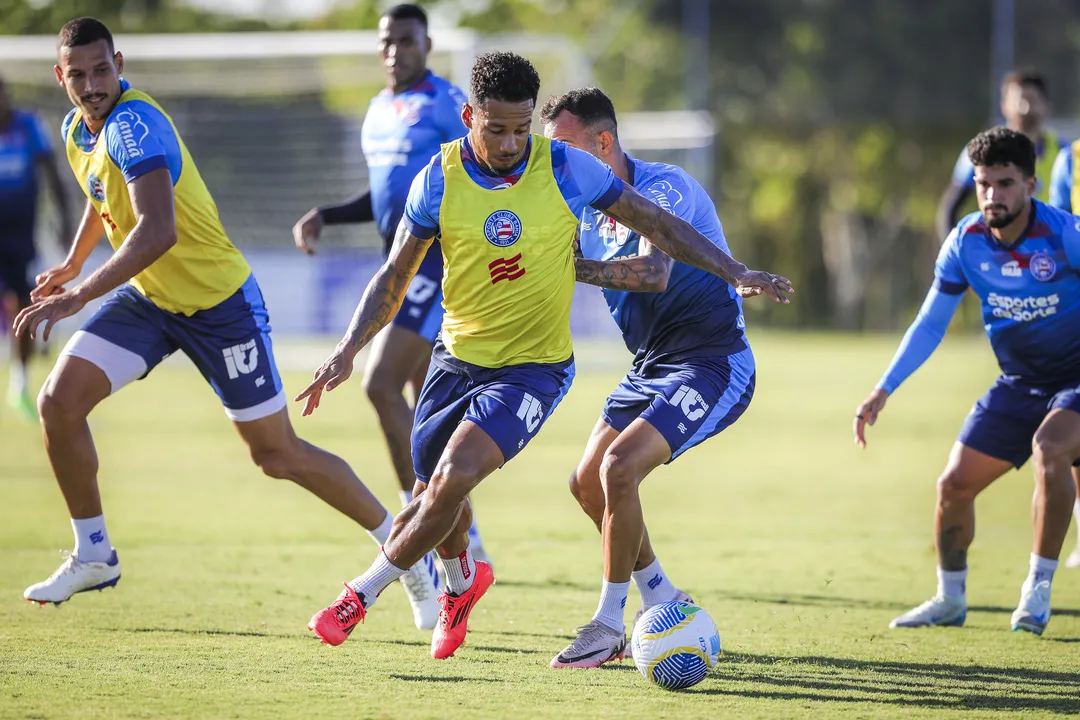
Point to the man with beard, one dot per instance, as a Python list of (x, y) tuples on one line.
[(1020, 257)]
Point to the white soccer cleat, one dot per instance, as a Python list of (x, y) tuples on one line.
[(74, 576), (594, 645), (680, 596), (940, 611), (422, 589), (1034, 611), (1073, 561)]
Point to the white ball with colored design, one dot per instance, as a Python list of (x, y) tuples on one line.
[(675, 644)]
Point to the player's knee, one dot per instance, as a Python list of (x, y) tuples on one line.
[(1051, 457), (618, 477), (280, 463), (381, 389), (57, 409), (590, 496), (450, 484), (953, 486)]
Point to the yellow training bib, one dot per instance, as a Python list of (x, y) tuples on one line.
[(508, 264)]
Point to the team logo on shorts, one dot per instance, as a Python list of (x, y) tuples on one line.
[(95, 187), (502, 228), (1042, 267)]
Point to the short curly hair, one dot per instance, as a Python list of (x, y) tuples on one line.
[(1002, 146), (503, 76)]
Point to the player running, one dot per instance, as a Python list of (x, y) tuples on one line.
[(1025, 105), (24, 149), (404, 126), (693, 372), (1020, 257), (182, 286), (507, 204)]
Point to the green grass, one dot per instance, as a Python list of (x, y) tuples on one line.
[(801, 547)]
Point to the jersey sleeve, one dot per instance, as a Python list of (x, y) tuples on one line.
[(673, 193), (140, 139), (1061, 180), (949, 277), (582, 179), (921, 339), (963, 173), (448, 113), (66, 126), (425, 197)]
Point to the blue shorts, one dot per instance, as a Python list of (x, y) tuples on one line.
[(422, 310), (1004, 420), (230, 344), (686, 402), (510, 404), (15, 274)]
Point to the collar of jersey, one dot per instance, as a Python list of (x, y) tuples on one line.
[(468, 156), (423, 79), (83, 139), (1023, 236)]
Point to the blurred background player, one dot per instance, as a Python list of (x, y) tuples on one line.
[(1025, 105), (182, 286), (506, 204), (1020, 257), (403, 128), (1065, 194), (693, 373), (25, 150)]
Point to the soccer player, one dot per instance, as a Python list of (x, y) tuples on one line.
[(1025, 105), (182, 286), (1065, 194), (24, 150), (404, 126), (693, 373), (1019, 256), (507, 205)]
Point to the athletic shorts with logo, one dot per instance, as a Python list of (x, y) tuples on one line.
[(687, 402), (229, 344), (510, 404)]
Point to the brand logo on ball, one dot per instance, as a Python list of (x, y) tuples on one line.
[(502, 228), (95, 187), (1042, 267)]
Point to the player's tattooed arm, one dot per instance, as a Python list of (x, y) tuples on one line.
[(387, 289), (380, 303), (648, 272), (681, 241)]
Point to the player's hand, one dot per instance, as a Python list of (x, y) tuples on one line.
[(52, 281), (48, 310), (867, 413), (306, 231), (336, 370), (757, 282)]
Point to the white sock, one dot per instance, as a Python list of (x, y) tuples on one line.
[(406, 497), (382, 533), (459, 572), (612, 604), (1041, 569), (91, 539), (17, 379), (952, 583), (381, 573), (654, 585)]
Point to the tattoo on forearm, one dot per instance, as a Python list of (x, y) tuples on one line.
[(640, 274), (386, 292)]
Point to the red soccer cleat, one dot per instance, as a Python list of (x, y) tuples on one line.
[(454, 617), (333, 625)]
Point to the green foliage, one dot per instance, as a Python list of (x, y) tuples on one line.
[(23, 17)]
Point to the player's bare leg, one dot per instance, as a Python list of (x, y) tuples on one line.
[(19, 369), (437, 517), (1073, 561), (1055, 447), (631, 456), (72, 390), (967, 474)]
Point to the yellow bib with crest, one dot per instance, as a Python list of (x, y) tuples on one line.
[(203, 268), (508, 264)]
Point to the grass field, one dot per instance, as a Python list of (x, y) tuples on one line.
[(801, 547)]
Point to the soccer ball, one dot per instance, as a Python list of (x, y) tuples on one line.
[(675, 644)]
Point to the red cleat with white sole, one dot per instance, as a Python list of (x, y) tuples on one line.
[(334, 624), (454, 617)]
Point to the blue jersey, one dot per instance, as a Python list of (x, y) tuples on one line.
[(582, 179), (22, 143), (400, 134), (1030, 292), (1061, 181), (698, 314)]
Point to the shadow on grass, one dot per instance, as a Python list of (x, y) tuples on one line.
[(938, 685), (195, 632), (847, 602), (437, 679)]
